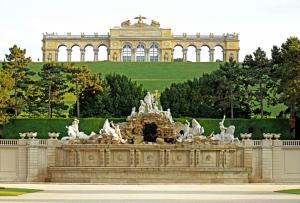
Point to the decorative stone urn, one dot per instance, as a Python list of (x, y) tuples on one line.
[(32, 135), (276, 136), (246, 135), (268, 136), (53, 135), (22, 135)]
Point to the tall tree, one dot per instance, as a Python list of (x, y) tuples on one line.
[(16, 65), (48, 94), (287, 61), (116, 97), (82, 79), (230, 86), (257, 75), (6, 85)]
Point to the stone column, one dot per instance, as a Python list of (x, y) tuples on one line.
[(248, 156), (133, 55), (108, 54), (160, 56), (96, 54), (82, 54), (147, 55), (211, 55), (198, 54), (22, 160), (267, 161), (184, 51), (32, 161), (56, 55), (69, 53)]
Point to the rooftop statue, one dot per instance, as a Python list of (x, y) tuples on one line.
[(125, 23), (140, 19)]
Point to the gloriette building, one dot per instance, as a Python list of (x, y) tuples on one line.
[(140, 42)]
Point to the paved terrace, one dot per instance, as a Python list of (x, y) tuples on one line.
[(75, 193)]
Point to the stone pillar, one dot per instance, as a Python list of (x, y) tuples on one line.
[(82, 54), (132, 55), (96, 54), (22, 160), (278, 160), (160, 56), (108, 54), (184, 52), (248, 154), (56, 55), (198, 54), (267, 161), (32, 161), (69, 53), (211, 55), (147, 55)]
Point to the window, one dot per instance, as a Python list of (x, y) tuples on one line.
[(140, 53), (127, 53), (153, 52)]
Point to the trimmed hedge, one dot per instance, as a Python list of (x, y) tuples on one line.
[(43, 126)]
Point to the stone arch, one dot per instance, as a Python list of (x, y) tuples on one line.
[(102, 52), (75, 54), (89, 52), (178, 52), (204, 55), (219, 53), (191, 53), (62, 53)]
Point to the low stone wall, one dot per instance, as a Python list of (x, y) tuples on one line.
[(50, 160)]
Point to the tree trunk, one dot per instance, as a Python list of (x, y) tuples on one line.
[(261, 101), (49, 102), (77, 101), (16, 101), (231, 104)]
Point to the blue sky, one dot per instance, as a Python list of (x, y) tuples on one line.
[(259, 22)]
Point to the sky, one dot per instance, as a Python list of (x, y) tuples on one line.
[(260, 23)]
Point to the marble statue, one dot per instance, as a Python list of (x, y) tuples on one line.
[(110, 129), (149, 100), (155, 23), (142, 107), (191, 132), (226, 134), (73, 132)]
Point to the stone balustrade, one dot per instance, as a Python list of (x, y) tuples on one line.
[(53, 160)]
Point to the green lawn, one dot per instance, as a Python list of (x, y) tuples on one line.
[(16, 191), (290, 191), (153, 76)]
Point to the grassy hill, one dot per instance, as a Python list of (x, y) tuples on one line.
[(153, 76)]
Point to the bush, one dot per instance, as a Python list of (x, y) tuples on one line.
[(43, 126)]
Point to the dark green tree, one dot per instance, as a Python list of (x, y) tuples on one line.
[(287, 73), (16, 64), (257, 76), (49, 91), (116, 98)]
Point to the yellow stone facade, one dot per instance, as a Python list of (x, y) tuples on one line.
[(140, 42)]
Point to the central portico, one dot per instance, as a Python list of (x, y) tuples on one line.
[(140, 42)]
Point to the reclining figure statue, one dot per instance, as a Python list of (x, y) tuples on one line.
[(73, 132)]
